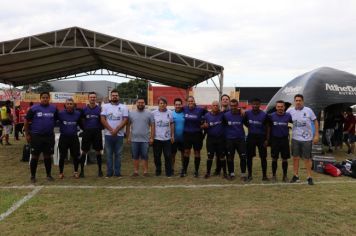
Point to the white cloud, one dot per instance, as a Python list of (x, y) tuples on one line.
[(259, 43)]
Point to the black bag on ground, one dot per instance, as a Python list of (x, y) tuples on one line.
[(26, 152)]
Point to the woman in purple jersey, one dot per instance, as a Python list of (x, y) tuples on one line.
[(193, 135)]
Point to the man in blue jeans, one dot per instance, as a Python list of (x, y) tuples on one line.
[(114, 118), (139, 135)]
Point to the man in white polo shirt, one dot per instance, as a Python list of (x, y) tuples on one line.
[(114, 118), (302, 136)]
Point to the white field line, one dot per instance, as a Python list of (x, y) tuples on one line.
[(19, 203), (189, 186)]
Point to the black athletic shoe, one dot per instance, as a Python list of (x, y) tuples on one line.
[(207, 176), (225, 176), (295, 179), (182, 174), (81, 175), (285, 179), (50, 178), (100, 173), (265, 178), (196, 174), (249, 178), (33, 179), (310, 181)]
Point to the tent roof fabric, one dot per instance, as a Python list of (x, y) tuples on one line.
[(75, 50), (321, 88)]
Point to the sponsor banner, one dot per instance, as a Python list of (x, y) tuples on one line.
[(80, 98), (341, 90), (292, 90), (59, 97), (30, 97)]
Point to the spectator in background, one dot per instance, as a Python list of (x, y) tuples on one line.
[(329, 129), (114, 117), (339, 126), (20, 120), (349, 131), (6, 122)]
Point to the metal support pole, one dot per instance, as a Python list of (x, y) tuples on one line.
[(221, 85)]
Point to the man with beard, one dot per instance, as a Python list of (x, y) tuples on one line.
[(114, 116), (139, 134)]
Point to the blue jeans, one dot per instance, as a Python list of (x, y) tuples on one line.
[(113, 148), (139, 150)]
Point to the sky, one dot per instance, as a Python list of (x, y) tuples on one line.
[(259, 43)]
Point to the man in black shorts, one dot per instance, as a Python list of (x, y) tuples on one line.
[(92, 133), (39, 126), (278, 134)]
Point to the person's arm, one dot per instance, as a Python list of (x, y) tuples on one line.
[(128, 131), (172, 131), (316, 134), (105, 123), (153, 130)]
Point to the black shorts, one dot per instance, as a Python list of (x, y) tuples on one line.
[(215, 146), (280, 146), (238, 145), (42, 144), (177, 146), (92, 137), (253, 141), (71, 143), (194, 140)]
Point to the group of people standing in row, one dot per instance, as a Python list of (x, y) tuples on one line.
[(171, 132)]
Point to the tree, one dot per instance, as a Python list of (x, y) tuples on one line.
[(133, 89)]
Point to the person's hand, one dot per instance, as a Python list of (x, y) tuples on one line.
[(265, 143), (172, 139), (28, 138), (128, 140), (151, 141), (205, 125)]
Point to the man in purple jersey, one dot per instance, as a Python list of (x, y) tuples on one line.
[(278, 135), (92, 136), (69, 120), (235, 139), (193, 135), (39, 129), (256, 120), (213, 123)]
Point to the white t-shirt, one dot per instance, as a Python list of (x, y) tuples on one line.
[(302, 123), (114, 116), (162, 121)]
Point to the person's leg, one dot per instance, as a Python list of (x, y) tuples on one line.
[(75, 152), (197, 146), (210, 154), (174, 149), (62, 156), (167, 157), (144, 156), (16, 133), (109, 155), (352, 143), (296, 153), (230, 153), (33, 166), (157, 153), (135, 152), (251, 152), (274, 154), (118, 147), (262, 151), (346, 141), (97, 144), (48, 148), (48, 164)]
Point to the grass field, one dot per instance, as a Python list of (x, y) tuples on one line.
[(175, 206)]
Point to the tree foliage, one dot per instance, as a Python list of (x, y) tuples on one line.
[(133, 89), (39, 87)]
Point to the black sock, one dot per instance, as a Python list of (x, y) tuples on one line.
[(209, 163), (82, 162), (218, 166), (33, 166), (230, 166), (285, 167), (274, 167), (249, 166), (196, 164), (264, 166), (223, 165), (185, 163), (76, 163), (243, 164), (61, 164), (48, 165), (99, 161)]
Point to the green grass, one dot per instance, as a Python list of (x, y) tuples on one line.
[(241, 209), (9, 196)]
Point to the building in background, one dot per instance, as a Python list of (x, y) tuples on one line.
[(101, 87)]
